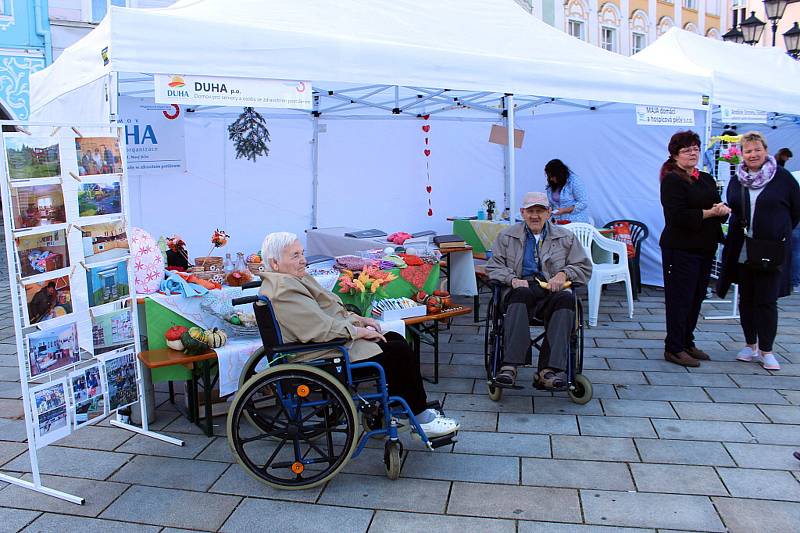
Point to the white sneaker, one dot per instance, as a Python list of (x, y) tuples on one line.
[(748, 355), (440, 426), (769, 362)]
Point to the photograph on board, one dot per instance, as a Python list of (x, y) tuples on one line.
[(37, 205), (100, 198), (52, 349), (98, 155), (120, 373), (49, 403), (32, 157), (107, 283), (89, 411), (112, 331), (104, 241), (87, 395), (42, 252), (47, 299)]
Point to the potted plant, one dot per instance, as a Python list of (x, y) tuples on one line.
[(490, 205)]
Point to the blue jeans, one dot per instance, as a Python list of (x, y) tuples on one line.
[(796, 256)]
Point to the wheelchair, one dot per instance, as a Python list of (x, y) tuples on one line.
[(295, 426), (578, 387)]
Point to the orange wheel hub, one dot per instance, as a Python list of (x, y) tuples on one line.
[(297, 467), (303, 391)]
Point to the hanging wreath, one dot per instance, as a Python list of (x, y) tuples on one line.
[(250, 135)]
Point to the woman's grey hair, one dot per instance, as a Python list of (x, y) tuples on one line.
[(753, 136), (274, 244)]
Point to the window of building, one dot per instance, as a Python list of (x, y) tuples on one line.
[(95, 10), (608, 39), (690, 4), (575, 28), (638, 42), (712, 7)]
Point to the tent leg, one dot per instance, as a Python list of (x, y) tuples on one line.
[(315, 164), (512, 193)]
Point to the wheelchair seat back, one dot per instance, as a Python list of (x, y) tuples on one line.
[(268, 326)]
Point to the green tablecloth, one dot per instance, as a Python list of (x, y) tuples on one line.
[(159, 319), (480, 234), (397, 288)]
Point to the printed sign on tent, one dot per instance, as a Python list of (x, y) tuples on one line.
[(742, 116), (154, 135), (237, 92), (653, 115)]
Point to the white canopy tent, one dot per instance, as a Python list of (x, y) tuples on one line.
[(368, 61)]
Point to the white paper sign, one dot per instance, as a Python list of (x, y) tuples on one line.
[(154, 135), (238, 92), (743, 116), (653, 115)]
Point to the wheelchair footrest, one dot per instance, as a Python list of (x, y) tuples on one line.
[(505, 386), (445, 440), (539, 386)]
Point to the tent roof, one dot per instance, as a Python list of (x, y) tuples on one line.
[(744, 77), (469, 45)]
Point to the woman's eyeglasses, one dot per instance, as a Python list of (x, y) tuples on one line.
[(690, 150)]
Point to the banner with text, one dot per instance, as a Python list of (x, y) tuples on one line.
[(238, 92), (653, 115), (154, 135), (742, 116)]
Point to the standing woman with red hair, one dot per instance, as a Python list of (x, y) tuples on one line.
[(693, 217)]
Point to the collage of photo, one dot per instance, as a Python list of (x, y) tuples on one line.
[(48, 203)]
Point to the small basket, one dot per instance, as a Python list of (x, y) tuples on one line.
[(216, 276), (256, 268), (211, 262)]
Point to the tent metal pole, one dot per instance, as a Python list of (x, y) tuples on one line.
[(315, 164), (512, 193), (707, 131)]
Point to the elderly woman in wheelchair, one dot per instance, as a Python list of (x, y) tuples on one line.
[(310, 409), (533, 267)]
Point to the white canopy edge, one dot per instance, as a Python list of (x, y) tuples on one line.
[(744, 77)]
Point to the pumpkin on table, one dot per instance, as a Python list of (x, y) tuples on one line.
[(194, 341), (215, 338), (173, 337)]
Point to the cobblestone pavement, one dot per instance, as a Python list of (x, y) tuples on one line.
[(658, 448)]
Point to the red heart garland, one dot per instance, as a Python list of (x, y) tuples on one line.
[(426, 117), (429, 189), (430, 214), (427, 152), (426, 128)]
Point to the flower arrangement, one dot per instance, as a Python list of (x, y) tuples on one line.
[(367, 285), (489, 204), (732, 155)]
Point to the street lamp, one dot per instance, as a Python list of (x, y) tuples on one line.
[(792, 40), (775, 10), (752, 28), (733, 35)]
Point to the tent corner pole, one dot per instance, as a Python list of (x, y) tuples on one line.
[(315, 164), (512, 193)]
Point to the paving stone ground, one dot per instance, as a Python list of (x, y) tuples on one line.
[(659, 448)]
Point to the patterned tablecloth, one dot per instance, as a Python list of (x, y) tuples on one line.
[(480, 234)]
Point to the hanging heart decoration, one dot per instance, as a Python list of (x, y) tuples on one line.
[(426, 128)]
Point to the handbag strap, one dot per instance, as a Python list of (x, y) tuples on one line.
[(745, 210)]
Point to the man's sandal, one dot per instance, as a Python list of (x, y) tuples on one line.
[(507, 375), (551, 380)]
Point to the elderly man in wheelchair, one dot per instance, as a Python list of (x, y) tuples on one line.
[(536, 262), (310, 409)]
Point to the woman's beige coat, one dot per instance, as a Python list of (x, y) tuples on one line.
[(306, 312)]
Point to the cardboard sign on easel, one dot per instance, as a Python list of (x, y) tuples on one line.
[(499, 135)]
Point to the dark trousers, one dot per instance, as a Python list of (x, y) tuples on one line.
[(686, 276), (759, 318), (402, 371), (556, 309)]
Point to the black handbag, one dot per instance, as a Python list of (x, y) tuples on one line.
[(761, 255)]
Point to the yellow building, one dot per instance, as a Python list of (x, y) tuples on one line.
[(627, 26)]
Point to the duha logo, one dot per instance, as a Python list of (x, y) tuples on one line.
[(176, 82)]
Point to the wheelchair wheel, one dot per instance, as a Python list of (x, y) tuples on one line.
[(583, 390), (495, 393), (248, 371), (392, 455), (301, 439)]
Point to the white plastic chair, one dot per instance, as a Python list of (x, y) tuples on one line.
[(603, 273)]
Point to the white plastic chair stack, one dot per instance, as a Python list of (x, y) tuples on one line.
[(603, 273)]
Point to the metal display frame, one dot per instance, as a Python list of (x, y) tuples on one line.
[(18, 300)]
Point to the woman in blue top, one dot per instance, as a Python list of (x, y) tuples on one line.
[(566, 193)]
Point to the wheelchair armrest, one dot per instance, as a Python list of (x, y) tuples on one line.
[(308, 346)]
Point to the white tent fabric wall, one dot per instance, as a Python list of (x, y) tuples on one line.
[(618, 162), (372, 173), (247, 199)]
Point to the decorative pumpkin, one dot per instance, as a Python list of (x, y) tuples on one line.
[(253, 258), (173, 337), (434, 304), (193, 345), (420, 297), (215, 337)]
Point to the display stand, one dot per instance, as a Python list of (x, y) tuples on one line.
[(65, 194)]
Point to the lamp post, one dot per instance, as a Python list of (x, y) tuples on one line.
[(752, 28), (733, 35), (791, 39), (775, 10)]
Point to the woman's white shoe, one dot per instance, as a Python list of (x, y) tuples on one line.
[(440, 426), (748, 355), (769, 362)]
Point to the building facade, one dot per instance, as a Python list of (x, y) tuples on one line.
[(24, 49), (627, 26)]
